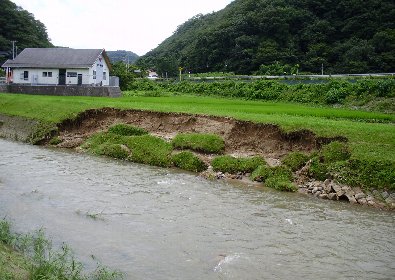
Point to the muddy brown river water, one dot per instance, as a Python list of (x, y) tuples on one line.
[(155, 223)]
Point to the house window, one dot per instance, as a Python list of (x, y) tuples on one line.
[(72, 74), (104, 76), (45, 74), (49, 74), (94, 74), (26, 75)]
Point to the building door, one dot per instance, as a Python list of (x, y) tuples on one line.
[(79, 79), (62, 76)]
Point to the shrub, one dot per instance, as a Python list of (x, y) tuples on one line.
[(335, 151), (93, 143), (295, 160), (113, 150), (318, 169), (280, 183), (261, 173), (188, 161), (206, 143), (150, 150), (55, 140), (234, 165), (366, 174), (282, 171), (126, 130)]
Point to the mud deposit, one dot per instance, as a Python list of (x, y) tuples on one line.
[(241, 137)]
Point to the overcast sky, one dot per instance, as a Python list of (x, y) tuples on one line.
[(133, 25)]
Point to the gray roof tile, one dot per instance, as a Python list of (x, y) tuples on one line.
[(54, 58)]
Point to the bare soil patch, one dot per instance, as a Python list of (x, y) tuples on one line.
[(241, 137)]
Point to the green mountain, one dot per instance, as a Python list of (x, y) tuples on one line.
[(17, 24), (121, 55), (343, 36)]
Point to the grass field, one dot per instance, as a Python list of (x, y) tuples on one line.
[(371, 135)]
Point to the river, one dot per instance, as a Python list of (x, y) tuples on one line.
[(155, 223)]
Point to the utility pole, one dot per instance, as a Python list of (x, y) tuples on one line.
[(13, 49), (322, 69)]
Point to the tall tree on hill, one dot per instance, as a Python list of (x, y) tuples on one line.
[(344, 36), (17, 24)]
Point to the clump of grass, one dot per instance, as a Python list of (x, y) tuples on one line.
[(364, 173), (295, 160), (55, 141), (318, 169), (113, 150), (127, 130), (261, 173), (335, 151), (150, 150), (188, 161), (206, 143), (280, 183), (93, 143), (282, 171), (234, 165), (43, 262)]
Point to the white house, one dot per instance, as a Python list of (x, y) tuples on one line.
[(59, 66)]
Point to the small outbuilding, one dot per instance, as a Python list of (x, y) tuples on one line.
[(59, 66)]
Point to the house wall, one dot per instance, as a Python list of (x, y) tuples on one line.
[(102, 72), (35, 76), (74, 80)]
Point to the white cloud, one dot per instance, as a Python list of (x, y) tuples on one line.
[(137, 25)]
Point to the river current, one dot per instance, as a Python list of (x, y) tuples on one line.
[(155, 223)]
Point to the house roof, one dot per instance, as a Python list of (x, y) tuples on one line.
[(56, 58)]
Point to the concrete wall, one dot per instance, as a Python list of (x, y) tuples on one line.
[(63, 90)]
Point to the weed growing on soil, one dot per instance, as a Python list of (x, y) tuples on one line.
[(206, 143), (280, 183), (93, 143), (188, 161), (43, 262), (261, 173), (113, 150), (229, 164), (150, 150), (295, 160), (127, 130), (55, 141), (335, 151), (41, 131)]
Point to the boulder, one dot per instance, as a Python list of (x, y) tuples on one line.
[(336, 188), (323, 196), (384, 195), (332, 196), (359, 195), (362, 201)]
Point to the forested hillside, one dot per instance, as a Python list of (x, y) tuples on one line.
[(343, 36), (19, 25), (121, 55)]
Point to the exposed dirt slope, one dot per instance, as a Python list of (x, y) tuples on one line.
[(241, 137)]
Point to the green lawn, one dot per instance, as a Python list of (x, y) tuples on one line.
[(371, 135)]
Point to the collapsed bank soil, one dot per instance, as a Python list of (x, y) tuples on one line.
[(241, 137)]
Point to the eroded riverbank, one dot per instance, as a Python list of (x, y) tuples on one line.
[(242, 138), (156, 223)]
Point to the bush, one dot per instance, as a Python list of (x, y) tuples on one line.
[(282, 171), (335, 151), (261, 173), (206, 143), (295, 160), (150, 150), (188, 161), (92, 143), (113, 150), (366, 174), (280, 183), (234, 165), (318, 169), (127, 130)]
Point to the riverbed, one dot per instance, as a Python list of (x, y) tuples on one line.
[(155, 223)]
